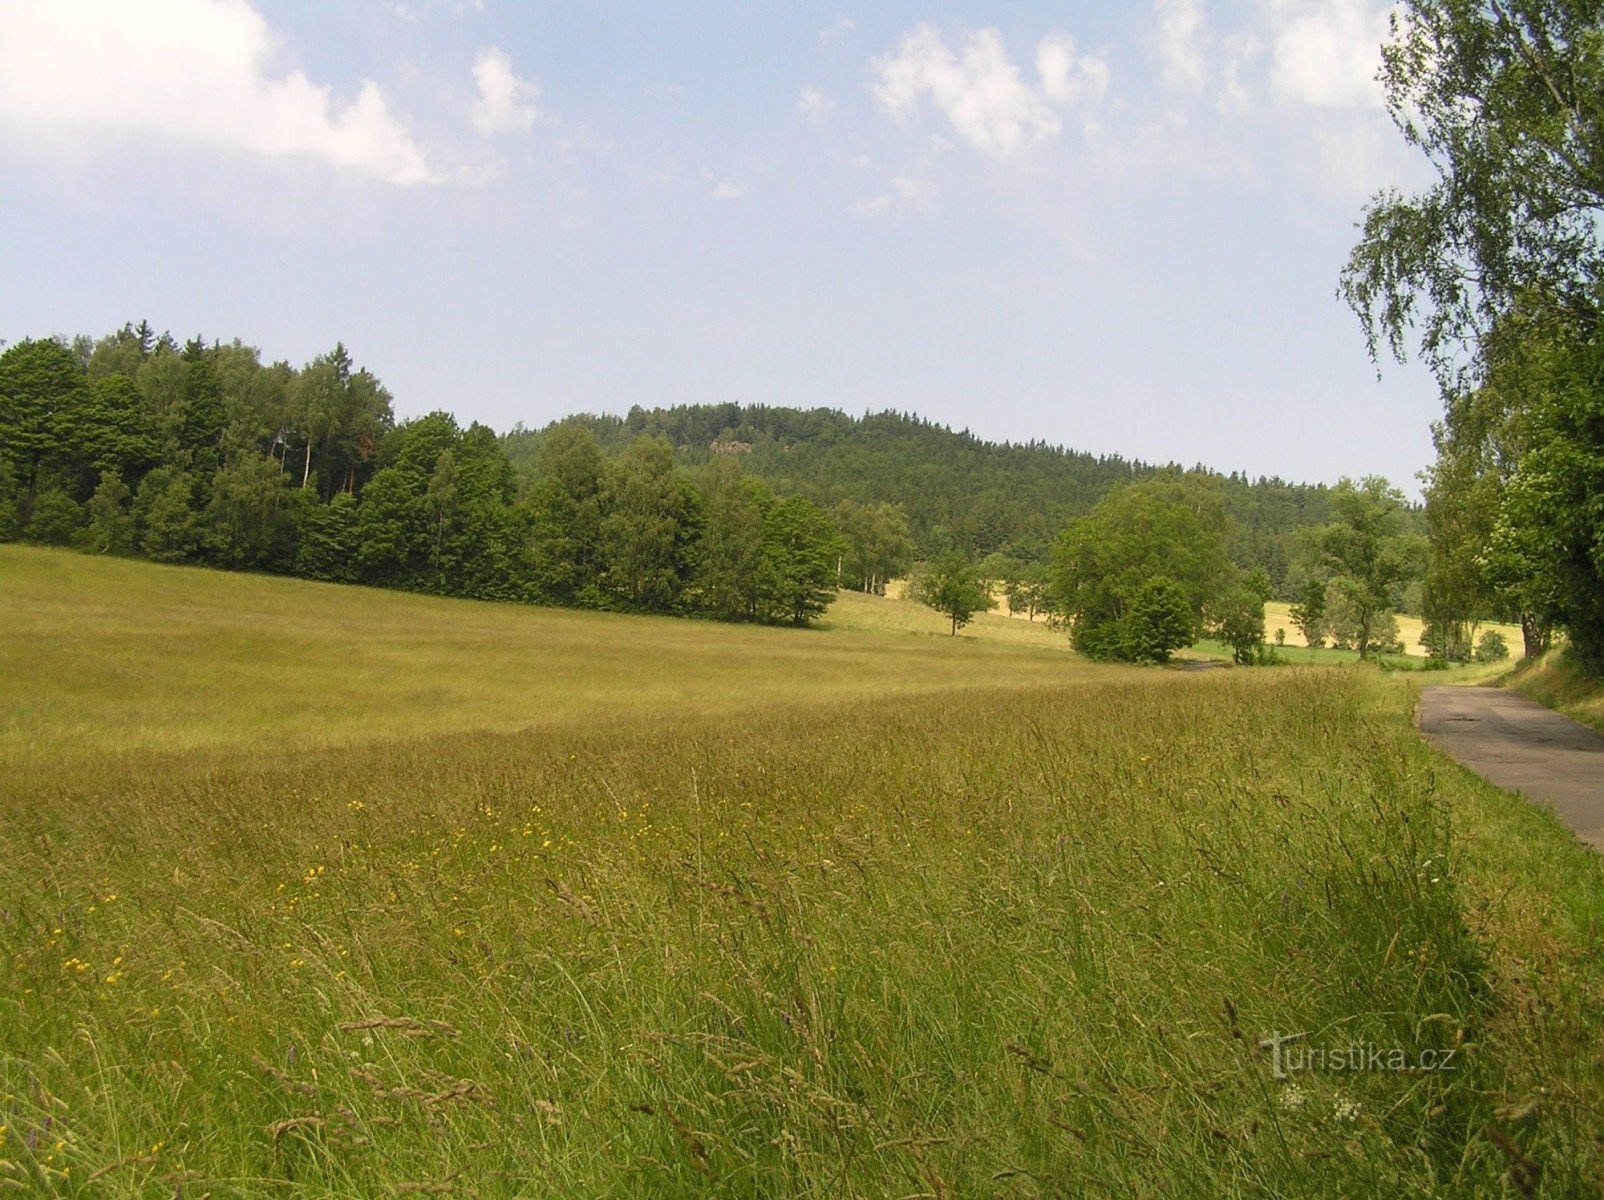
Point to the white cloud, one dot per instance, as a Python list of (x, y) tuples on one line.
[(813, 106), (1327, 54), (981, 91), (505, 103), (837, 31), (1235, 97), (905, 195), (1069, 79), (196, 70), (1180, 44)]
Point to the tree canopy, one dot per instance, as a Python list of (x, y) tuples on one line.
[(902, 489), (203, 453), (1496, 270), (1146, 555)]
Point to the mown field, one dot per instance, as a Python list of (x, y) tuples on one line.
[(1278, 615), (319, 892)]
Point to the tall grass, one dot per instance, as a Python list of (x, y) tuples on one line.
[(1556, 680), (1007, 938)]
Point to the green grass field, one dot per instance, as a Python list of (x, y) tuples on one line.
[(320, 892)]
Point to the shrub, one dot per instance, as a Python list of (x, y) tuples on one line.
[(55, 520), (1491, 647)]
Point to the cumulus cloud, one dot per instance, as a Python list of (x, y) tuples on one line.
[(1327, 54), (195, 70), (981, 91), (505, 103), (1179, 43), (1068, 78)]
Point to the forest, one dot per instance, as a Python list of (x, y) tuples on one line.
[(202, 452), (957, 491)]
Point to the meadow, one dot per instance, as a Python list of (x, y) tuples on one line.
[(310, 891), (1278, 615)]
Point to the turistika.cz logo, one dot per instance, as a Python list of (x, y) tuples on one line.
[(1291, 1054)]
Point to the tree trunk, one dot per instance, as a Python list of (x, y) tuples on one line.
[(306, 471), (1534, 635)]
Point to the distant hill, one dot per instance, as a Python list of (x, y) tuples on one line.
[(957, 489)]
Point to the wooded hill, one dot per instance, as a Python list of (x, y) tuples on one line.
[(959, 491)]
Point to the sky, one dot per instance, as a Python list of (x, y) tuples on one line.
[(1112, 226)]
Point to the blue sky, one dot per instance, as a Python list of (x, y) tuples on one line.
[(1113, 226)]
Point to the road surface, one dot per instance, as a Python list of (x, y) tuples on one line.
[(1522, 747)]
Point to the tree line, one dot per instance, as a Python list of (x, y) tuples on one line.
[(202, 453), (1150, 570), (957, 493), (1495, 276)]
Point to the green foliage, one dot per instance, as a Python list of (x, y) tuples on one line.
[(799, 549), (1160, 620), (1308, 614), (1149, 541), (1237, 619), (42, 392), (342, 415), (1446, 641), (1496, 266), (1363, 556), (1550, 529), (877, 544), (731, 570), (1501, 100), (1354, 623), (10, 503), (250, 518), (947, 489), (1491, 647), (1027, 589), (165, 521), (564, 514), (200, 426), (326, 544), (113, 431), (649, 531), (392, 535), (111, 526), (55, 519), (953, 587)]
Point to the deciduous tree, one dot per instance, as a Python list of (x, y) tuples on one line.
[(953, 587)]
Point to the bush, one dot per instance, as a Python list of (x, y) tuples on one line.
[(1491, 647), (1445, 640), (1238, 621), (55, 520), (1159, 622)]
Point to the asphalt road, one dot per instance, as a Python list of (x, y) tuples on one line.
[(1523, 747)]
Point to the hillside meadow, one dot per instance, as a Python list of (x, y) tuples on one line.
[(319, 892)]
